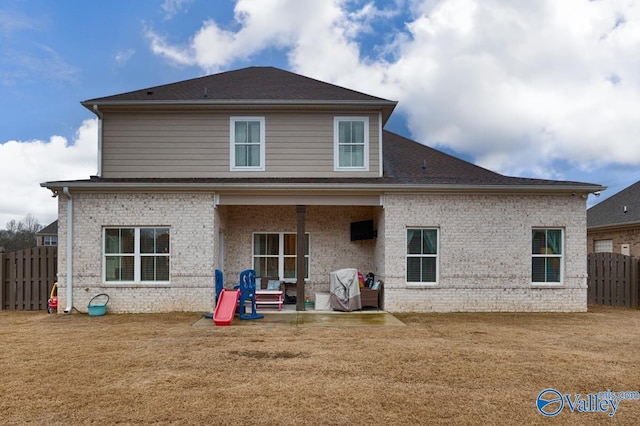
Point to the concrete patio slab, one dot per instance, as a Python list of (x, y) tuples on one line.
[(314, 319)]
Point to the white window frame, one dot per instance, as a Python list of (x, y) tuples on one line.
[(560, 257), (281, 256), (436, 256), (137, 257), (50, 240), (232, 144), (337, 144)]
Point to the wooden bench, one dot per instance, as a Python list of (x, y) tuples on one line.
[(269, 298)]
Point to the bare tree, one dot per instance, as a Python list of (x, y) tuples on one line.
[(20, 235)]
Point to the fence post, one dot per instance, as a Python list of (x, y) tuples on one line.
[(2, 272)]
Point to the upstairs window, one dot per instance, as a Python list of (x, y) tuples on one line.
[(351, 143), (247, 143), (546, 256)]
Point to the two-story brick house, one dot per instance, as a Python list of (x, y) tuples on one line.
[(228, 171)]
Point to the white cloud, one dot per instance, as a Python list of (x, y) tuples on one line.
[(11, 21), (173, 7), (520, 87), (42, 63), (122, 57), (25, 164)]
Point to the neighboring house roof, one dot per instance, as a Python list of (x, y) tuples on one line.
[(619, 210), (253, 85), (406, 165), (51, 229)]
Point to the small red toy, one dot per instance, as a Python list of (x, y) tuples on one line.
[(52, 303)]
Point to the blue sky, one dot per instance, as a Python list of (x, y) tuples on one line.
[(538, 89)]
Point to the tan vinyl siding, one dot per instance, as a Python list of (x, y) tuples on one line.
[(196, 144)]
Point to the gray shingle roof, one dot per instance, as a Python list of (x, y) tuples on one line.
[(247, 84), (611, 212), (407, 161), (50, 229)]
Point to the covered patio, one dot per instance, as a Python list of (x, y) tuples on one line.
[(265, 236)]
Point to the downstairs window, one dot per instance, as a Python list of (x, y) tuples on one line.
[(546, 256), (422, 255), (136, 255)]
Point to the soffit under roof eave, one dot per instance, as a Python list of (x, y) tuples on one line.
[(614, 227), (87, 186)]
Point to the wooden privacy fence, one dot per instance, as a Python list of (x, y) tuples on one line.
[(26, 278), (613, 279)]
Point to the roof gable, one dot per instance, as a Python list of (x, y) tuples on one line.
[(51, 229), (622, 208)]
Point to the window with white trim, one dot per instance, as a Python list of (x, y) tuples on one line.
[(247, 143), (351, 143), (275, 255), (422, 255), (136, 255), (547, 255), (50, 240), (603, 246)]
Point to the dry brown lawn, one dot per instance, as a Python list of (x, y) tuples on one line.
[(439, 369)]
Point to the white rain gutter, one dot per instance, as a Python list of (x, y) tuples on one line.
[(69, 250), (99, 114)]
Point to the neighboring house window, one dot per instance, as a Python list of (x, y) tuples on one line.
[(603, 246), (136, 255), (351, 143), (546, 255), (247, 143), (422, 255), (50, 240), (274, 255)]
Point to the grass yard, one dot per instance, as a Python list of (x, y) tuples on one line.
[(440, 369)]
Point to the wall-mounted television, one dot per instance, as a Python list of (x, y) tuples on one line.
[(362, 230)]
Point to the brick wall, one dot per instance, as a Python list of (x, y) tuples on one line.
[(191, 219), (619, 237), (485, 248), (485, 252)]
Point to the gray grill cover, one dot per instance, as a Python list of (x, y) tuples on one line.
[(345, 290)]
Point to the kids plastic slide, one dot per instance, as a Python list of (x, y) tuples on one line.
[(226, 307)]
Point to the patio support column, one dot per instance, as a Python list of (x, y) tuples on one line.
[(301, 265)]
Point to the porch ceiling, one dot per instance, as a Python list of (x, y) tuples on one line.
[(301, 199)]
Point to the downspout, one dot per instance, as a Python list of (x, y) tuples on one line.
[(99, 114), (69, 250)]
